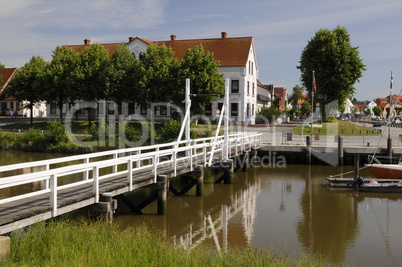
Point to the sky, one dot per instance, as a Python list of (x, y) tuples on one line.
[(280, 28)]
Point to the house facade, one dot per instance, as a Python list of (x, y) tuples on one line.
[(238, 63), (9, 104)]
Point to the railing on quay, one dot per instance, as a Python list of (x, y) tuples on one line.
[(123, 162)]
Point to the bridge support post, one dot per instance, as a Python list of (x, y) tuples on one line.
[(5, 247), (228, 175), (199, 180), (105, 208), (162, 188), (308, 146), (245, 161), (389, 149), (340, 150)]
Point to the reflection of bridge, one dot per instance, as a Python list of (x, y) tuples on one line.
[(57, 186), (244, 201)]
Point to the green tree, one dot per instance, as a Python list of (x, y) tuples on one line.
[(377, 110), (158, 74), (93, 75), (61, 77), (305, 107), (124, 77), (28, 81), (336, 63), (296, 96), (202, 69)]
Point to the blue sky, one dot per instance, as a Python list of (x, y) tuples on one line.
[(281, 29)]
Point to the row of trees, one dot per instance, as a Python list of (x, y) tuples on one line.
[(96, 75)]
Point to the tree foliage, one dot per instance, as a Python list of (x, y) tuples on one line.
[(61, 77), (336, 63), (202, 69), (123, 77), (296, 95), (27, 83), (158, 74)]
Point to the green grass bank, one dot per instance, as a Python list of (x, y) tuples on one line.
[(79, 243), (337, 128)]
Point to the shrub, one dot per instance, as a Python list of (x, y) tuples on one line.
[(55, 133), (330, 119)]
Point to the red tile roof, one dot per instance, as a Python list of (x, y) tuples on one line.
[(228, 51), (6, 75)]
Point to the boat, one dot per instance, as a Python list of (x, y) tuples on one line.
[(384, 171), (352, 183), (381, 187)]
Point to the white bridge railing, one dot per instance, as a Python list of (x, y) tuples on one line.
[(95, 167)]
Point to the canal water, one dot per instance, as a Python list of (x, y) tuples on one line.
[(287, 210)]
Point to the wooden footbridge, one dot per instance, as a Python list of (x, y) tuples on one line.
[(57, 186)]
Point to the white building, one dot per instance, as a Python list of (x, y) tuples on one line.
[(238, 63)]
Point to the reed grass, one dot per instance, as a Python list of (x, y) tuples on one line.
[(72, 243)]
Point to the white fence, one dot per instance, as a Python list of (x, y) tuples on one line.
[(95, 167)]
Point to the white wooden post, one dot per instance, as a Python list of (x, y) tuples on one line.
[(226, 131), (45, 183), (115, 156), (188, 104), (155, 169), (130, 173), (86, 173), (53, 194), (96, 183), (174, 160)]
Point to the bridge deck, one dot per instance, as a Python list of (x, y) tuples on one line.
[(31, 209)]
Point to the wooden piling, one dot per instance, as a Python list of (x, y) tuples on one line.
[(199, 180), (308, 146), (340, 150), (162, 188), (356, 166), (5, 247), (228, 174), (389, 149)]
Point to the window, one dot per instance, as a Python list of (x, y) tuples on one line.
[(131, 108), (208, 110), (248, 110), (163, 110), (144, 109), (235, 86), (248, 88), (234, 109), (220, 106), (249, 67), (253, 89), (252, 110), (52, 108)]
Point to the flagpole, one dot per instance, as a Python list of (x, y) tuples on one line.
[(312, 107), (390, 104)]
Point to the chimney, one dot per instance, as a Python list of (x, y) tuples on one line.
[(224, 34), (87, 42), (172, 37), (130, 39)]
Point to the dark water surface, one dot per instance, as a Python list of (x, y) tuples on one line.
[(288, 210)]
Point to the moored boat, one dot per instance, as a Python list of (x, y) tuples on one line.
[(385, 171), (381, 187)]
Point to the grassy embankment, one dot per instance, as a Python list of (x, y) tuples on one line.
[(52, 137), (337, 128), (64, 243)]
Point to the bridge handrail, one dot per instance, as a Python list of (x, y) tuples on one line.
[(154, 154), (97, 154)]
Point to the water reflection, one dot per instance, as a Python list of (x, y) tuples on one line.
[(283, 209)]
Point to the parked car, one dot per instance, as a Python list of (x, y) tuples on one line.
[(377, 124)]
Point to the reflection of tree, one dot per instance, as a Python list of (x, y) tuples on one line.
[(329, 223)]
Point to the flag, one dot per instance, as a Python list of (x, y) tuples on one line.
[(392, 81), (314, 84)]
